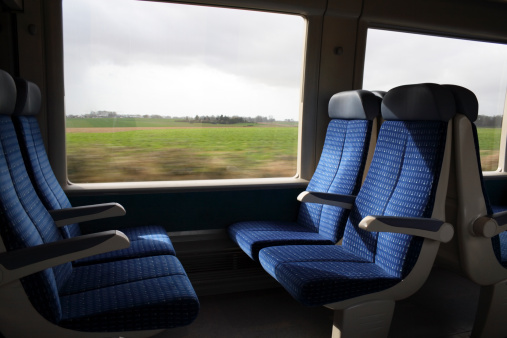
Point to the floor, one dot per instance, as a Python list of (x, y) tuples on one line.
[(444, 307)]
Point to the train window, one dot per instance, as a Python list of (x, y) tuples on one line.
[(161, 91), (395, 58)]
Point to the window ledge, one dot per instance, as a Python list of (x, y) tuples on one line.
[(184, 186), (491, 175)]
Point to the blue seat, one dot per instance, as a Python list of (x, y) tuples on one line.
[(350, 134), (480, 248), (395, 225), (42, 292), (145, 241)]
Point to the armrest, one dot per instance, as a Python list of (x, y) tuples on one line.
[(424, 227), (491, 225), (342, 201), (86, 213), (23, 262)]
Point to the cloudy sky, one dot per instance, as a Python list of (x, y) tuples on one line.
[(180, 60), (394, 58)]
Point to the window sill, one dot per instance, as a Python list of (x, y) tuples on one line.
[(184, 186)]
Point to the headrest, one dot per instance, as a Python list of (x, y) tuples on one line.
[(466, 101), (7, 93), (354, 105), (425, 102), (28, 100)]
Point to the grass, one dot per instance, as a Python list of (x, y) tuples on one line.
[(196, 153), (177, 154), (489, 145)]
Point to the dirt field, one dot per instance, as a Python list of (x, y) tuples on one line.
[(112, 130)]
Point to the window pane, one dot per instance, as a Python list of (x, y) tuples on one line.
[(159, 91), (394, 59)]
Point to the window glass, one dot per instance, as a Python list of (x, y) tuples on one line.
[(160, 91), (395, 58)]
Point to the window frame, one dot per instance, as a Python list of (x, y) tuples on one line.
[(359, 71), (55, 123)]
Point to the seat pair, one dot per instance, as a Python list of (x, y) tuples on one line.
[(40, 286), (347, 151), (149, 240), (396, 222)]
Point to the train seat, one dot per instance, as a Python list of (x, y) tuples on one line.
[(41, 293), (396, 224), (145, 240), (350, 135), (481, 233)]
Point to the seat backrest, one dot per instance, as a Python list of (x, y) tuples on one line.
[(350, 135), (28, 105), (479, 257), (25, 221), (407, 176)]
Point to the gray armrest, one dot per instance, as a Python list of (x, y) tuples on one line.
[(23, 262), (86, 213), (424, 227), (491, 225), (342, 201)]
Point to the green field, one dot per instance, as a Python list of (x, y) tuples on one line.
[(181, 153), (236, 151), (489, 145)]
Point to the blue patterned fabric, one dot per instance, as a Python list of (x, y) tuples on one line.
[(318, 275), (339, 171), (151, 241), (253, 236), (26, 223), (401, 181), (96, 276), (154, 239), (39, 169), (151, 304)]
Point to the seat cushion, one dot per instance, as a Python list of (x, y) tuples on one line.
[(162, 302), (256, 235), (137, 294), (319, 275), (144, 242), (96, 276)]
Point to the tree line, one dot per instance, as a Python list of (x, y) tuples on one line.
[(213, 119), (484, 121)]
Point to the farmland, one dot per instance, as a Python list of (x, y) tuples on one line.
[(165, 149), (489, 144)]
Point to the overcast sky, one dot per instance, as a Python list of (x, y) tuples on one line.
[(394, 58), (179, 60), (140, 57)]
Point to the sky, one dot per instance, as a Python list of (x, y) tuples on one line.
[(182, 60), (394, 59)]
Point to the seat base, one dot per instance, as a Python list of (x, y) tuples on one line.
[(490, 317), (369, 319)]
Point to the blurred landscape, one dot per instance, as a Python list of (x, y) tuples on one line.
[(164, 149)]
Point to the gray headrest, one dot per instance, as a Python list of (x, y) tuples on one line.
[(354, 105), (466, 101), (28, 100), (425, 102), (7, 93)]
